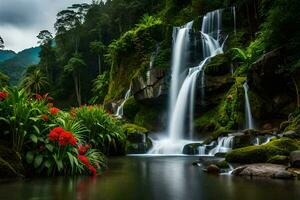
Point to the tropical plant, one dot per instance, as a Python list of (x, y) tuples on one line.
[(105, 132), (100, 87), (35, 82)]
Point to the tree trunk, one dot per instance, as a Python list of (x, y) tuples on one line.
[(76, 84)]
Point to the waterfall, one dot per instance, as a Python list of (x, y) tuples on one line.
[(181, 41), (119, 112), (224, 145), (212, 46), (183, 85), (151, 63), (248, 114)]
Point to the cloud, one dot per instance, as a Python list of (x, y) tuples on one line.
[(21, 20)]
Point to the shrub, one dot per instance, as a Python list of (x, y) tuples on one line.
[(104, 131)]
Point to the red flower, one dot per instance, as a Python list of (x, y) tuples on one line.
[(38, 97), (84, 160), (50, 99), (93, 170), (45, 117), (54, 110), (73, 141), (87, 163), (3, 95), (55, 134), (83, 149)]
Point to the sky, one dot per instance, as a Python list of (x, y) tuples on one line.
[(22, 20)]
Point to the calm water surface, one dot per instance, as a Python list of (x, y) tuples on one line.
[(143, 178)]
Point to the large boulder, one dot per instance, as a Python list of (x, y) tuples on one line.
[(262, 153), (241, 140), (259, 170), (191, 149), (213, 169), (295, 159)]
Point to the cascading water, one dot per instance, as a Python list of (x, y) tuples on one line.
[(224, 145), (182, 92), (181, 41), (248, 113), (120, 109)]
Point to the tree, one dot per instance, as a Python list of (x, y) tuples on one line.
[(1, 43), (46, 53), (97, 47), (3, 80), (35, 82), (75, 67)]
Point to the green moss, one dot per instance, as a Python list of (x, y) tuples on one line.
[(230, 113), (148, 117), (207, 119), (262, 153), (218, 65), (223, 164), (279, 159), (131, 108), (133, 128)]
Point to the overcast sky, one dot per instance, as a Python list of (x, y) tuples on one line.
[(22, 20)]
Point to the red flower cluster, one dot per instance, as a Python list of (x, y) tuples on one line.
[(82, 149), (63, 137), (3, 95), (54, 110), (87, 163)]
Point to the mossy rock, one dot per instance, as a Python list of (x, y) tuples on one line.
[(279, 159), (191, 149), (133, 128), (262, 153), (131, 108), (150, 117), (219, 65), (223, 164), (10, 163)]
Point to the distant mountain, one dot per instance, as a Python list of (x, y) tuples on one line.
[(16, 66), (6, 54)]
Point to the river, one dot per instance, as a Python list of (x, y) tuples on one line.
[(149, 178)]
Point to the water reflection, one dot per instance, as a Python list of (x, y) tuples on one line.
[(166, 178)]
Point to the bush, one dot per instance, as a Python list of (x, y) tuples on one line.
[(104, 131)]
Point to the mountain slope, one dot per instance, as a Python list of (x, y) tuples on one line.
[(6, 54), (17, 65)]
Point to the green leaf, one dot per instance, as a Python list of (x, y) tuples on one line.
[(71, 158), (29, 157), (38, 161), (48, 164), (33, 138), (49, 147)]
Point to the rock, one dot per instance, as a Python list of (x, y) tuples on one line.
[(291, 134), (279, 159), (191, 149), (251, 132), (213, 169), (259, 170), (152, 88), (262, 153), (267, 126), (295, 159), (222, 164), (242, 140), (283, 175)]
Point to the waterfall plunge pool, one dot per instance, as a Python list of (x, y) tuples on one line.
[(166, 178)]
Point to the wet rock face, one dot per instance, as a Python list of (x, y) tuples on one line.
[(151, 88), (295, 159), (264, 72)]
